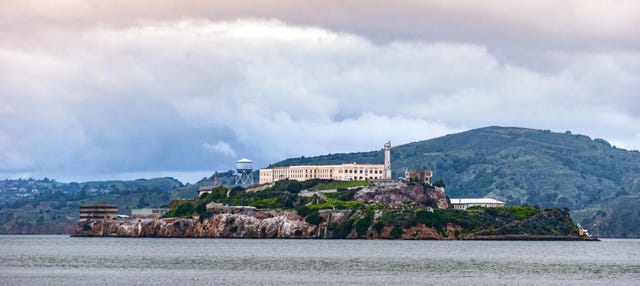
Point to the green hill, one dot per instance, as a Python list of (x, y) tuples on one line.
[(518, 165), (54, 208)]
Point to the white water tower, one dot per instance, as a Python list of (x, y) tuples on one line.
[(244, 170)]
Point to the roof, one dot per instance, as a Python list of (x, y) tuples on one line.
[(476, 201), (244, 160)]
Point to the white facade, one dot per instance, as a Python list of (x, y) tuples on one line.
[(344, 172), (463, 204)]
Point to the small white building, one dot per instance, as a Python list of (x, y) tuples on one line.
[(464, 204), (149, 212)]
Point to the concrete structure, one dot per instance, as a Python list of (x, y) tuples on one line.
[(418, 176), (205, 190), (149, 212), (343, 172), (98, 211), (220, 208), (464, 204)]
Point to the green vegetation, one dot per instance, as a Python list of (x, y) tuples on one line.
[(282, 195), (519, 166), (314, 218), (183, 209), (332, 203), (328, 185)]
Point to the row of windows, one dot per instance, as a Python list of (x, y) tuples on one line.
[(360, 171), (361, 178)]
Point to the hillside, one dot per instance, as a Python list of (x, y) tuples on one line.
[(518, 165), (47, 206)]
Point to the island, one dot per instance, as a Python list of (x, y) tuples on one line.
[(332, 209)]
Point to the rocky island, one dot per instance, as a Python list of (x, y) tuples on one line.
[(327, 209)]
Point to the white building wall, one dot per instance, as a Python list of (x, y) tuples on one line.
[(344, 172)]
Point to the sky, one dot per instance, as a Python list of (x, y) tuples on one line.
[(94, 90)]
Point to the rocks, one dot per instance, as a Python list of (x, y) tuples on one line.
[(264, 224), (400, 194)]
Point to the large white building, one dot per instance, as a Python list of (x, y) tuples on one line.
[(343, 172)]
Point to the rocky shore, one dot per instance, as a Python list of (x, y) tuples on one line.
[(283, 225)]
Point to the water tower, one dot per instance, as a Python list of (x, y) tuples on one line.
[(244, 170)]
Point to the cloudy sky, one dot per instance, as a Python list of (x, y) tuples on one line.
[(126, 89)]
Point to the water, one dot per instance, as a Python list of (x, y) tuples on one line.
[(62, 260)]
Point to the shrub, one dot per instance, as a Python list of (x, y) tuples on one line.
[(291, 186), (396, 232), (343, 229), (184, 209), (378, 226), (362, 225), (314, 218), (303, 210)]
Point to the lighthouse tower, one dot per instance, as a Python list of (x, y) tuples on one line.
[(387, 161)]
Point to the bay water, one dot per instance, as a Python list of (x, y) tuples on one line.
[(63, 260)]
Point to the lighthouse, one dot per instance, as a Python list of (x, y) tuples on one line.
[(387, 161)]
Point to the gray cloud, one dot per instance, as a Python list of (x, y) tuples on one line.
[(127, 94)]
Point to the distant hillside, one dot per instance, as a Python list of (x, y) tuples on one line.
[(520, 165), (47, 206), (30, 206)]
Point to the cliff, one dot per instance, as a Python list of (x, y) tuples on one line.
[(367, 224), (260, 224), (400, 194)]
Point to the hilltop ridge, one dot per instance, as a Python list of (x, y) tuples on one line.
[(522, 165)]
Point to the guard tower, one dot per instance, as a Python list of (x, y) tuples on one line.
[(387, 161), (244, 170)]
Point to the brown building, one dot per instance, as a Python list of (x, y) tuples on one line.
[(98, 211), (418, 176)]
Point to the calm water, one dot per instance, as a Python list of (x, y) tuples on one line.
[(62, 260)]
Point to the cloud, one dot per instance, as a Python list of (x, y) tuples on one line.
[(220, 147), (139, 98)]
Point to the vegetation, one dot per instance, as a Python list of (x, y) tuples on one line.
[(518, 165), (282, 195)]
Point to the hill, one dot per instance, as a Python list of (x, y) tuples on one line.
[(46, 206), (519, 165)]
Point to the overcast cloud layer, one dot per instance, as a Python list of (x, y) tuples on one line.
[(92, 91)]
